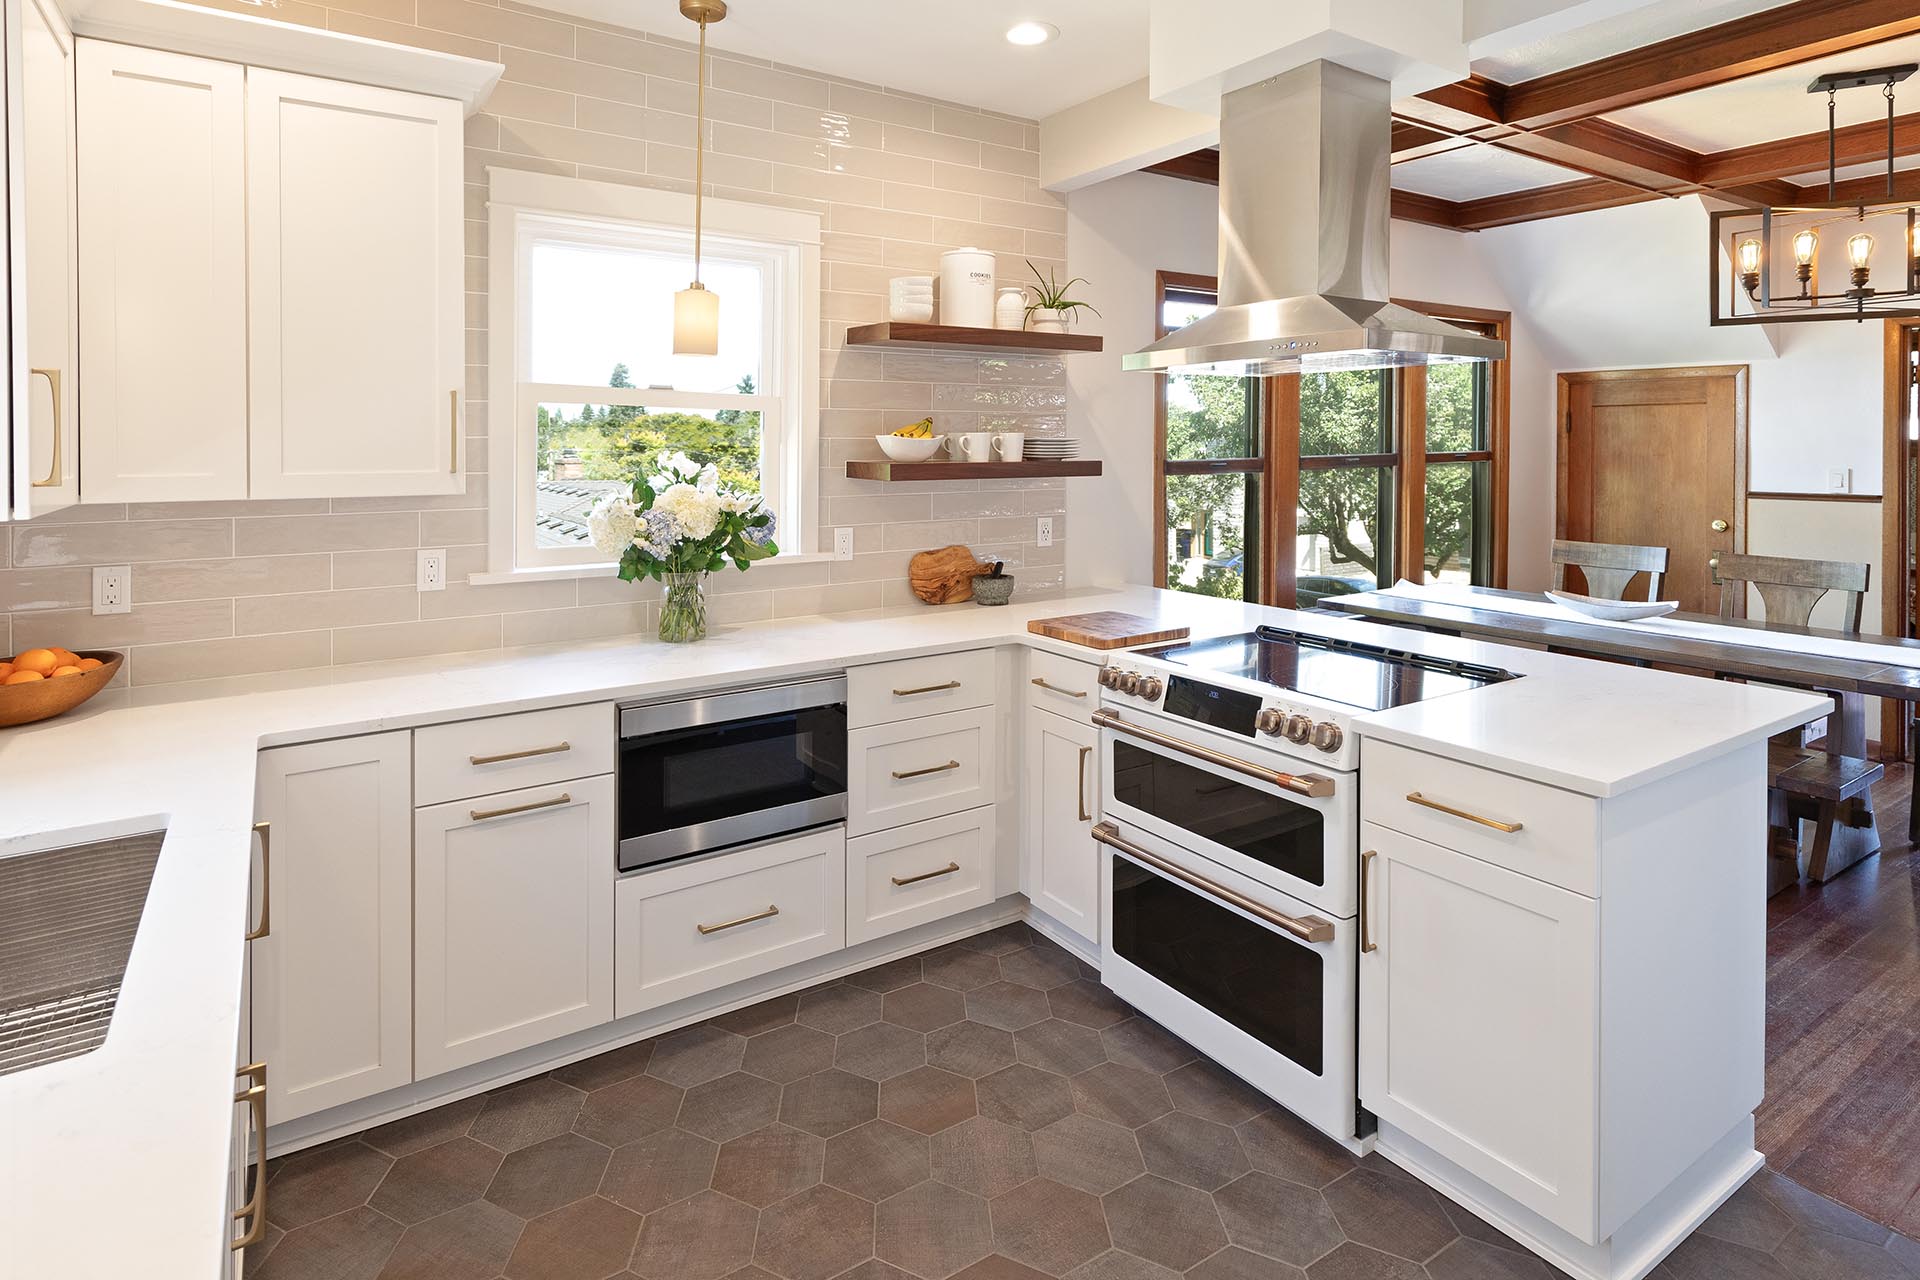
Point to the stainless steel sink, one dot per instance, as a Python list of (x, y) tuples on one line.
[(67, 920)]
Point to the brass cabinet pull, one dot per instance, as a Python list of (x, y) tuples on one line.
[(55, 473), (768, 914), (265, 831), (1414, 797), (1316, 785), (520, 755), (481, 815), (932, 768), (1366, 933), (1054, 688), (947, 870), (926, 688), (453, 432), (1080, 793), (255, 1096), (1305, 928)]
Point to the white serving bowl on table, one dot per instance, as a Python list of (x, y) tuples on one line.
[(910, 448)]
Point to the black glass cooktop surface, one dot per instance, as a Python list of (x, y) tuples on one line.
[(1368, 677)]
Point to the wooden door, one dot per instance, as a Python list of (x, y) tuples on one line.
[(333, 978), (1657, 457), (356, 322), (1062, 862)]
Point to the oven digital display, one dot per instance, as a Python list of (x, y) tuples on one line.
[(1230, 710)]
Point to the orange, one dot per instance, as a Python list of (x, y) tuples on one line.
[(67, 657), (6, 669), (68, 670), (88, 664), (23, 677), (38, 661)]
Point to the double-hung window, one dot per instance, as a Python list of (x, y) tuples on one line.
[(584, 390)]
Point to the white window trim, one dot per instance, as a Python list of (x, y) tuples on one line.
[(515, 197)]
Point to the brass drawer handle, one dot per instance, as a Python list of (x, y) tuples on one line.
[(1080, 792), (1414, 797), (453, 432), (904, 881), (1316, 785), (1305, 928), (768, 914), (265, 831), (1366, 932), (1054, 688), (921, 773), (481, 815), (529, 753), (926, 688), (55, 473), (255, 1096)]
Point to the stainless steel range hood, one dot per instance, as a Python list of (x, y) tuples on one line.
[(1304, 210)]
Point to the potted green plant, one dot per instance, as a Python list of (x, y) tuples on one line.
[(1052, 311)]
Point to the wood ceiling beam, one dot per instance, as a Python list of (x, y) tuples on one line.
[(1411, 206), (1476, 96), (1204, 166), (1194, 166), (1807, 153), (1545, 202), (1868, 190)]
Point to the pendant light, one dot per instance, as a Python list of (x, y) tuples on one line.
[(696, 309)]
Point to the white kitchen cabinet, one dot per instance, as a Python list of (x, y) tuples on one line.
[(333, 977), (1060, 869), (919, 873), (163, 243), (355, 313), (513, 921)]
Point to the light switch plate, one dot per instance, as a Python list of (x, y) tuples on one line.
[(112, 588), (1839, 480), (433, 571)]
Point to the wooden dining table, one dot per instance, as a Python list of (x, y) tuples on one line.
[(1848, 681)]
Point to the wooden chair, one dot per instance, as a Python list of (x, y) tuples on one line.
[(1609, 566), (1790, 588), (1804, 784)]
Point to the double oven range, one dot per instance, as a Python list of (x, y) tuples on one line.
[(1230, 848)]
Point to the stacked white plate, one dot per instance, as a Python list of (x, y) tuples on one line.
[(1053, 450)]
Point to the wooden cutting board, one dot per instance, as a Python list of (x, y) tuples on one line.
[(1107, 629)]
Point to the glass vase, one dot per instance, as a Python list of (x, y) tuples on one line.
[(683, 614)]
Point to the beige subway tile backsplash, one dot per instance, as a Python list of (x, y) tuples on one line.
[(277, 535), (36, 543)]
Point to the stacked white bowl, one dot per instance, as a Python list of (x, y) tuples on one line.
[(910, 299)]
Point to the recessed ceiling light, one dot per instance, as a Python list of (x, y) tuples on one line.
[(1031, 32)]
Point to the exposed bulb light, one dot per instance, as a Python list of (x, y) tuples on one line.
[(696, 309), (1749, 257), (1030, 33), (1804, 243), (1859, 250)]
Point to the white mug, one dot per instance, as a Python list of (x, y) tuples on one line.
[(973, 446), (1008, 446)]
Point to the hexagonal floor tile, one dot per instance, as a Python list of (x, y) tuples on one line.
[(1748, 1217), (1280, 1219), (657, 1170), (932, 1230), (1186, 1148), (540, 1178), (1393, 1215), (1087, 1003), (927, 1099), (756, 1018), (1477, 1260), (694, 1055), (426, 1129), (838, 1010), (1060, 1047), (628, 1110), (880, 1050), (877, 1160), (1204, 1089), (317, 1184), (998, 942), (705, 1237), (829, 1102), (890, 976), (983, 1156), (1122, 1095), (1280, 1143), (1234, 1263), (1025, 1096), (591, 1237), (1357, 1262), (997, 1266), (788, 1053), (1049, 1226), (960, 968), (815, 1235), (1144, 1043), (1042, 968), (970, 1049), (428, 1183), (525, 1113), (1115, 1265), (353, 1245), (1163, 1221), (607, 1068), (769, 1164), (924, 1006), (730, 1106), (1093, 1155), (472, 1242), (1007, 1006)]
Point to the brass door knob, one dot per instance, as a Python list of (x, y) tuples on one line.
[(1719, 526)]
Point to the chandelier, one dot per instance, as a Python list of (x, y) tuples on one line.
[(1837, 259)]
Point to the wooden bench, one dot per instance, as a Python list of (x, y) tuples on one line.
[(1817, 786)]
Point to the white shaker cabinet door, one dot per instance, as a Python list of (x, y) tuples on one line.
[(163, 294), (1479, 1017), (356, 317), (1060, 869), (333, 977), (513, 921)]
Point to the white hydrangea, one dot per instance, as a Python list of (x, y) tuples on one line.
[(696, 511), (611, 525)]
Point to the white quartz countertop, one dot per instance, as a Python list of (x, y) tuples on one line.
[(113, 1163)]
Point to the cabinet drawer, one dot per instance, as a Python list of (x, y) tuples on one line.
[(1554, 831), (889, 691), (1062, 684), (900, 773), (694, 928), (505, 753), (910, 875)]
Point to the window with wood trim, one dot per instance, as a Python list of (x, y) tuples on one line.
[(1388, 473)]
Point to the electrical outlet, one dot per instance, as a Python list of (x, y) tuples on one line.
[(1839, 480), (1043, 536), (843, 544), (433, 571), (112, 588)]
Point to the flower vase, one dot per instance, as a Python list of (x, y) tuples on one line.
[(683, 614)]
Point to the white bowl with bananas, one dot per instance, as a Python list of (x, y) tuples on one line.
[(914, 442)]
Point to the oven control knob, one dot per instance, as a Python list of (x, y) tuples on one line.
[(1299, 729), (1327, 736), (1270, 721), (1129, 682), (1150, 688), (1107, 677)]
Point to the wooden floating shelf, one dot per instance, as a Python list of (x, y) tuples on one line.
[(886, 469), (959, 338)]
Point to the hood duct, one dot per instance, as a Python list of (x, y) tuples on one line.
[(1304, 230)]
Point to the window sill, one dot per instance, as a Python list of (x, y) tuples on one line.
[(563, 572)]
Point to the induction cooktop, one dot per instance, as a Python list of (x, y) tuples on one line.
[(1364, 676)]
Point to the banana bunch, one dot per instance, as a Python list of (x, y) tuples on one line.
[(921, 430)]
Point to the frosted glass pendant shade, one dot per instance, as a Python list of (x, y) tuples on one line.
[(696, 321)]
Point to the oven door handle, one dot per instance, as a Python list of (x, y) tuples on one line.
[(1305, 928), (1316, 785)]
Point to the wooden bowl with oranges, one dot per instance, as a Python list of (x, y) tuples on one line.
[(38, 683)]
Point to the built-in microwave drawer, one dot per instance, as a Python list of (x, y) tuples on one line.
[(1537, 830), (1064, 685), (888, 691), (505, 753), (917, 769), (918, 873), (695, 927)]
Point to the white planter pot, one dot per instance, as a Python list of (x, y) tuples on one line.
[(1048, 321)]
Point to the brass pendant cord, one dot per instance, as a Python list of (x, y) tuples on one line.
[(699, 143)]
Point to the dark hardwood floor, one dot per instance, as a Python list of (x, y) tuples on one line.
[(1842, 1109)]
